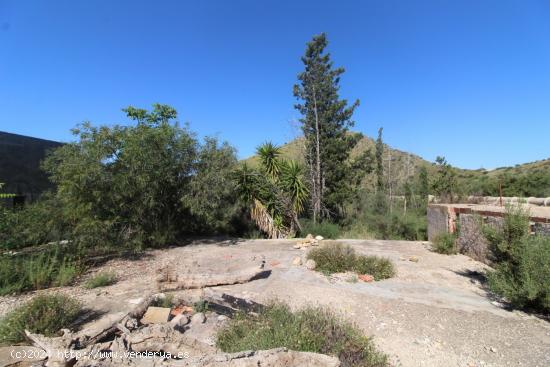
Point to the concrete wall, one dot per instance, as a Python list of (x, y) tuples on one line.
[(438, 221), (470, 219)]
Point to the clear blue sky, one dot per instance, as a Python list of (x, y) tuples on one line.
[(466, 79)]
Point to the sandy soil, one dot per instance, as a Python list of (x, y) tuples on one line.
[(435, 312)]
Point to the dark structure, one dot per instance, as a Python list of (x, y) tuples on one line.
[(20, 158)]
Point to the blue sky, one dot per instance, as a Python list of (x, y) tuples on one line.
[(466, 79)]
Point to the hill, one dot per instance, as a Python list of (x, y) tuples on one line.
[(523, 180)]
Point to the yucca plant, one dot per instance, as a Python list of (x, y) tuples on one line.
[(276, 192), (269, 157)]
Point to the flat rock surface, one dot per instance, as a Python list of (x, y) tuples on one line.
[(435, 312)]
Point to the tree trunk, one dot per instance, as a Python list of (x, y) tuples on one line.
[(319, 192)]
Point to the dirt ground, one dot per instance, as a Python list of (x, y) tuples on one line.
[(435, 312)]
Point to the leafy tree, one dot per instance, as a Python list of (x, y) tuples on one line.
[(325, 121), (139, 185), (445, 184), (276, 192)]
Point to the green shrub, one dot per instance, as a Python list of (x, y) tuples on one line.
[(309, 329), (102, 279), (326, 229), (521, 262), (44, 314), (379, 267), (336, 258), (445, 243), (525, 284)]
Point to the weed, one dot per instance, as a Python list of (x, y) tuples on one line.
[(101, 280), (445, 243), (44, 314)]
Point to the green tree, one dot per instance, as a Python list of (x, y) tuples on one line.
[(445, 184), (325, 121), (139, 185)]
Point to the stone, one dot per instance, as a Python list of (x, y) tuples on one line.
[(366, 278), (135, 301), (179, 320), (414, 259), (131, 324), (309, 236), (319, 238), (222, 318), (155, 315), (198, 318), (21, 355), (297, 261), (297, 246), (311, 264)]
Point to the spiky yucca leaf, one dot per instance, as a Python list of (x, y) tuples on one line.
[(269, 157), (293, 184)]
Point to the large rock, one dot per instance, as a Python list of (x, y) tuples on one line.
[(311, 264), (156, 315)]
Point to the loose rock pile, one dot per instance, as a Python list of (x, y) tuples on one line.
[(308, 241)]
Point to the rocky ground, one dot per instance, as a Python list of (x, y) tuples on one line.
[(435, 312)]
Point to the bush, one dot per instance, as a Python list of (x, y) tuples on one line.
[(44, 314), (337, 258), (101, 280), (444, 243), (525, 284), (310, 330), (325, 229), (521, 262)]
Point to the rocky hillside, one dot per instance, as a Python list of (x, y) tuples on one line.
[(524, 180)]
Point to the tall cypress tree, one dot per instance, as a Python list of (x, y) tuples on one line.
[(379, 162), (326, 119)]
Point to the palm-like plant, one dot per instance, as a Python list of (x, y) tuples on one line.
[(276, 193), (293, 184), (269, 157)]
